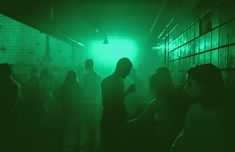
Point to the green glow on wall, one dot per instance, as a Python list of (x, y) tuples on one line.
[(107, 55), (24, 45)]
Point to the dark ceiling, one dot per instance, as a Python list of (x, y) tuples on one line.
[(83, 20)]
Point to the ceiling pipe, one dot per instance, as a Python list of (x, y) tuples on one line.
[(157, 17), (166, 28)]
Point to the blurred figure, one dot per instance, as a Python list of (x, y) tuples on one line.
[(209, 126), (71, 97), (31, 111), (161, 121), (114, 112), (92, 103), (9, 112), (31, 96), (46, 88)]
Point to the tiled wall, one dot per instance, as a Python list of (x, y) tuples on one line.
[(207, 35), (23, 46)]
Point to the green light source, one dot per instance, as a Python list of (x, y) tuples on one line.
[(106, 55)]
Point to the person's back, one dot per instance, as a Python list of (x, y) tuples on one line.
[(156, 128), (32, 98), (114, 112), (71, 98), (46, 86), (170, 110), (169, 118)]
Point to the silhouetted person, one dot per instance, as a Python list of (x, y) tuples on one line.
[(31, 96), (9, 112), (71, 97), (46, 88), (161, 121), (92, 103), (114, 112), (209, 126), (31, 109)]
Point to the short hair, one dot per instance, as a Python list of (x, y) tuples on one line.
[(164, 72), (124, 63), (163, 77), (89, 63)]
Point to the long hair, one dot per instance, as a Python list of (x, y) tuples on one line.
[(71, 77)]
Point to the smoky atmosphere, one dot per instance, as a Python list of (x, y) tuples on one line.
[(117, 76)]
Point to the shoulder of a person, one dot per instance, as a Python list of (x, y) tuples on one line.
[(111, 78), (96, 76), (104, 80)]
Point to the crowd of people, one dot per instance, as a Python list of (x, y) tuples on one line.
[(35, 117)]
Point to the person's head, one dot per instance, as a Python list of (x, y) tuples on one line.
[(71, 77), (204, 84), (161, 82), (123, 67), (89, 64)]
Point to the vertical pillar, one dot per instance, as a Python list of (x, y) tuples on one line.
[(47, 58)]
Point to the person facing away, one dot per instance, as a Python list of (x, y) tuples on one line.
[(31, 96), (209, 125), (160, 122), (92, 102), (9, 110), (71, 97), (114, 112), (46, 89)]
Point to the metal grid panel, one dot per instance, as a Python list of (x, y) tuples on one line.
[(216, 46), (24, 47)]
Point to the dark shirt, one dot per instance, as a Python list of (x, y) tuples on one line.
[(206, 130), (71, 98), (113, 98)]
